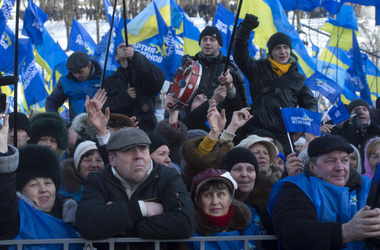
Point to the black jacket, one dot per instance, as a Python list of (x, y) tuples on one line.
[(147, 79), (270, 92), (212, 68), (123, 217)]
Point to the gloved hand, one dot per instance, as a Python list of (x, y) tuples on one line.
[(250, 21), (356, 124)]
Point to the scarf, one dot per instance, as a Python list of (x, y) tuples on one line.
[(279, 68), (221, 221)]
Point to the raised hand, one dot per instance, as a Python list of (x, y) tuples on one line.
[(100, 98), (216, 120), (226, 79), (96, 117), (239, 118)]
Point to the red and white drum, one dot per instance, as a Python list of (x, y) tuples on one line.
[(186, 84)]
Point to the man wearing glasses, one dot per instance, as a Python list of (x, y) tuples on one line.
[(83, 79)]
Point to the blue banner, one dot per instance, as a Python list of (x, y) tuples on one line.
[(5, 13), (338, 113), (80, 40), (302, 120), (324, 85), (109, 10), (34, 19)]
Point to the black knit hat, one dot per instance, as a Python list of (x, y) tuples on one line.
[(37, 161), (49, 124), (355, 103), (328, 143), (278, 38), (156, 142), (238, 155), (77, 60), (211, 31), (22, 121)]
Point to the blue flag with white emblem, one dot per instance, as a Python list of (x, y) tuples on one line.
[(324, 85), (338, 113), (34, 19), (5, 13), (80, 40), (302, 120)]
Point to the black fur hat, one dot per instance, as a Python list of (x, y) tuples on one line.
[(37, 161), (49, 124)]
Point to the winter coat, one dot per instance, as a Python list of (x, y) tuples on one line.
[(20, 215), (195, 162), (71, 180), (269, 92), (316, 223), (61, 93), (147, 79), (123, 217), (212, 68), (241, 219)]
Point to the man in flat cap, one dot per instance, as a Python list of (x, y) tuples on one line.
[(227, 90), (274, 82), (83, 79), (134, 196), (329, 205)]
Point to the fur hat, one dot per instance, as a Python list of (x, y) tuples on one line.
[(83, 148), (49, 124), (278, 38), (238, 155), (253, 139), (120, 120), (77, 60), (355, 103), (84, 130), (22, 121), (37, 161), (211, 31)]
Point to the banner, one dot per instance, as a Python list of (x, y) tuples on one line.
[(302, 120)]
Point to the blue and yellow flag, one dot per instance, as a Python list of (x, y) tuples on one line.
[(100, 52), (80, 40), (32, 80), (34, 19), (190, 37), (324, 85), (272, 18), (7, 52)]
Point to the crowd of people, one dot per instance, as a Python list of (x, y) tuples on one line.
[(216, 167)]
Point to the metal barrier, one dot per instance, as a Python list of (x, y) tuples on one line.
[(112, 241)]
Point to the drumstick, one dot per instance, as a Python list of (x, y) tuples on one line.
[(232, 36)]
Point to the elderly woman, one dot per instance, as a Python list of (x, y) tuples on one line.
[(264, 150), (372, 159), (74, 170), (29, 182), (217, 213)]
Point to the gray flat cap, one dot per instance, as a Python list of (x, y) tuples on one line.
[(77, 60), (127, 137)]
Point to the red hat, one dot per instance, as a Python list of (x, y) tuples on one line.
[(211, 174)]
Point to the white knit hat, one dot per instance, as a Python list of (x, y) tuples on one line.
[(82, 148)]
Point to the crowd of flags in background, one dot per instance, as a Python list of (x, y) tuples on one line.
[(163, 32)]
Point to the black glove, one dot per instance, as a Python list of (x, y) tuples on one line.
[(250, 21), (356, 124)]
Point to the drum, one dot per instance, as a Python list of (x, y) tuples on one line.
[(186, 84)]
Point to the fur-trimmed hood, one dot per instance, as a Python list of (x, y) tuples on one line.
[(71, 180), (195, 162), (241, 218), (84, 130)]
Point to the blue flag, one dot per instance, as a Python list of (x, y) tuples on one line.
[(100, 54), (80, 40), (308, 5), (359, 71), (109, 10), (34, 19), (324, 85), (32, 80), (302, 120), (338, 113), (5, 13), (7, 52)]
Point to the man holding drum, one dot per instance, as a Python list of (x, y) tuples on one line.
[(228, 90)]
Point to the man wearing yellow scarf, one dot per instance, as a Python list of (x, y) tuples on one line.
[(274, 82)]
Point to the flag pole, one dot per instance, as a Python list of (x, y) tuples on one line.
[(290, 142), (232, 36), (108, 45), (15, 73), (126, 42)]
